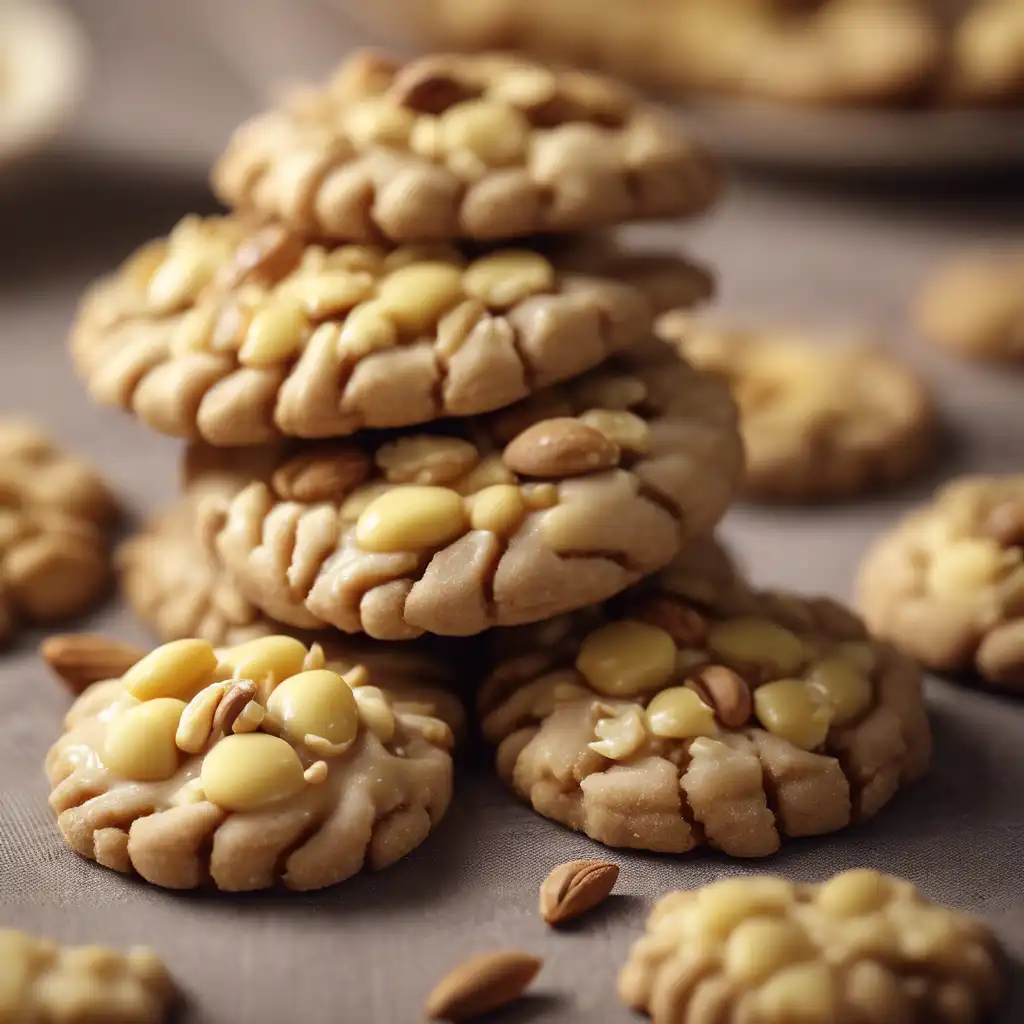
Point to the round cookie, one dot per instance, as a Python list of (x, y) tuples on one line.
[(819, 423), (946, 584), (975, 307), (543, 507), (988, 53), (249, 766), (666, 721), (860, 946), (476, 147), (237, 334), (53, 508)]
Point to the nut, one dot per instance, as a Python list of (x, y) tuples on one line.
[(139, 743), (604, 392), (251, 718), (178, 669), (489, 472), (429, 87), (855, 892), (245, 773), (761, 947), (679, 713), (266, 660), (276, 333), (329, 294), (411, 518), (481, 984), (574, 888), (621, 734), (504, 278), (627, 658), (322, 476), (196, 722), (368, 328), (426, 459), (268, 253), (233, 702), (757, 642), (559, 448), (686, 626), (495, 133), (1005, 524), (375, 712), (626, 429), (80, 659), (377, 122), (725, 692), (416, 296), (499, 509), (848, 689), (794, 711), (317, 703), (965, 566)]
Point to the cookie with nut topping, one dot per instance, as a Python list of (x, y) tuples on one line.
[(54, 509), (462, 146), (249, 766), (549, 505), (860, 946), (675, 717), (820, 422), (238, 334), (946, 584)]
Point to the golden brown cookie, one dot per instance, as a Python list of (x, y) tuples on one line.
[(447, 146), (43, 983), (819, 422), (238, 335), (546, 506), (248, 766), (975, 307), (860, 946), (53, 509), (672, 717), (987, 62), (946, 584)]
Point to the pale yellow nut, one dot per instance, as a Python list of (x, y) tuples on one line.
[(178, 669), (490, 472), (498, 509), (854, 893), (848, 689), (375, 713), (330, 293), (757, 641), (524, 87), (494, 132), (361, 499), (378, 122), (266, 661), (415, 297), (139, 743), (963, 568), (412, 518), (194, 331), (197, 719), (621, 735), (426, 459), (627, 430), (250, 719), (315, 659), (368, 328), (316, 773), (276, 333), (722, 905), (425, 138), (540, 496), (505, 278), (317, 703), (179, 279), (760, 947), (678, 713), (245, 773), (627, 658), (795, 711), (804, 993), (859, 655), (190, 793)]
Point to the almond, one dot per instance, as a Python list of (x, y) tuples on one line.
[(323, 475), (235, 700), (81, 659), (726, 692), (576, 887), (560, 447), (481, 984)]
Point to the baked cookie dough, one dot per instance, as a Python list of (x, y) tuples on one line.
[(975, 306), (447, 146), (946, 584), (860, 946), (247, 766), (42, 983), (236, 334), (53, 508), (550, 505), (672, 718), (987, 62), (819, 422)]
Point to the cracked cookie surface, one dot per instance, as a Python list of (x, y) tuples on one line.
[(553, 504), (819, 422), (448, 146), (53, 510), (693, 710), (946, 584), (237, 334), (249, 766), (860, 947)]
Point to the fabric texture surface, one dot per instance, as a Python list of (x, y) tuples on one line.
[(370, 950)]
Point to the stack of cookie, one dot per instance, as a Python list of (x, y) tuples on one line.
[(405, 427)]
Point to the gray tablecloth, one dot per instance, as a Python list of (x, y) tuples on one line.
[(370, 949)]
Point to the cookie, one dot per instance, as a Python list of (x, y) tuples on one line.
[(946, 584), (447, 146), (988, 53), (664, 721), (44, 983), (819, 422), (53, 510), (249, 766), (860, 946), (975, 307), (543, 507), (237, 335)]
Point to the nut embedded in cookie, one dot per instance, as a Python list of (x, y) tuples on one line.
[(860, 946), (819, 422), (311, 774), (777, 717), (946, 584)]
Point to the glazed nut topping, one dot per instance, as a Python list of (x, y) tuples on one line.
[(794, 710), (627, 658), (499, 509), (757, 641), (316, 706), (624, 429), (412, 518), (142, 743), (560, 447), (621, 734), (424, 459), (679, 713), (861, 946)]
